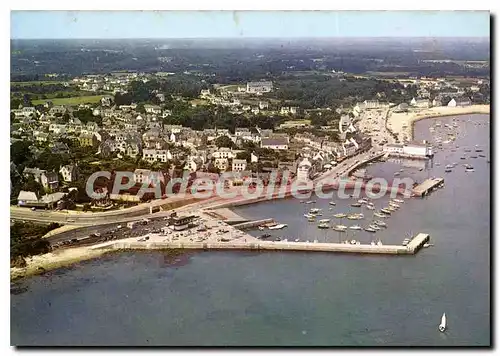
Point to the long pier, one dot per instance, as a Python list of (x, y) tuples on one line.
[(256, 245)]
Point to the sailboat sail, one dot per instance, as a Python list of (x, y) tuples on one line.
[(442, 326)]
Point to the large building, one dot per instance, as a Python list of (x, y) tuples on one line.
[(410, 150), (259, 87), (275, 143)]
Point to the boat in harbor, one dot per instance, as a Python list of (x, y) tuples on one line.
[(324, 221), (380, 223), (355, 216), (332, 203), (340, 228), (339, 215), (264, 236), (355, 227), (356, 205), (380, 215), (277, 227), (369, 229), (370, 207), (442, 326), (385, 211), (396, 174), (469, 169), (473, 156), (311, 218), (310, 202), (395, 205), (399, 201), (323, 226), (467, 150), (481, 155), (374, 226), (448, 170)]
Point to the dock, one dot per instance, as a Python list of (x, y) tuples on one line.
[(424, 188), (257, 245), (254, 223)]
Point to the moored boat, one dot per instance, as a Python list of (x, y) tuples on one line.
[(339, 215)]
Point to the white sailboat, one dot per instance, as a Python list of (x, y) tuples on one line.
[(442, 326)]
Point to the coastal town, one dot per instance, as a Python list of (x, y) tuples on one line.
[(138, 137), (250, 178)]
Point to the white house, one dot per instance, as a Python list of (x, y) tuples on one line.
[(239, 165), (224, 152), (69, 173), (304, 169), (152, 155), (221, 163), (146, 176), (259, 87)]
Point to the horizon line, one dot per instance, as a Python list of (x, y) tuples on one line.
[(247, 38)]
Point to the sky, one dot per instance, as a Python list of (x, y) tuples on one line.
[(247, 24)]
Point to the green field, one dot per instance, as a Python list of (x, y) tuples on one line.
[(90, 99)]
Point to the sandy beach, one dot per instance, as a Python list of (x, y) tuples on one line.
[(402, 123)]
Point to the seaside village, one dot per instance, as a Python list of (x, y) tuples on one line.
[(155, 152), (162, 151)]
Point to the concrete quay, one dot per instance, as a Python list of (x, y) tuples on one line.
[(256, 245), (425, 187)]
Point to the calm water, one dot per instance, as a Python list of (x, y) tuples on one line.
[(298, 299)]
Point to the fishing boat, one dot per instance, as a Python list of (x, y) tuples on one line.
[(374, 226), (314, 211), (420, 169), (399, 201), (361, 201), (355, 227), (339, 215), (442, 326), (310, 202), (324, 221), (369, 229), (323, 226), (473, 156), (463, 157), (311, 218), (396, 174), (332, 203), (277, 227), (380, 215), (469, 169), (481, 155), (370, 207), (447, 170), (395, 205), (356, 205)]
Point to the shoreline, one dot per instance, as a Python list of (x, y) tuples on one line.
[(398, 120)]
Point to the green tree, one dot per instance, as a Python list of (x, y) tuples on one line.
[(224, 141)]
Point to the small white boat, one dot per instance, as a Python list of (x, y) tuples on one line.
[(355, 227), (324, 221), (442, 326), (398, 200), (310, 202), (339, 215), (278, 227), (332, 203), (370, 207), (323, 226)]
